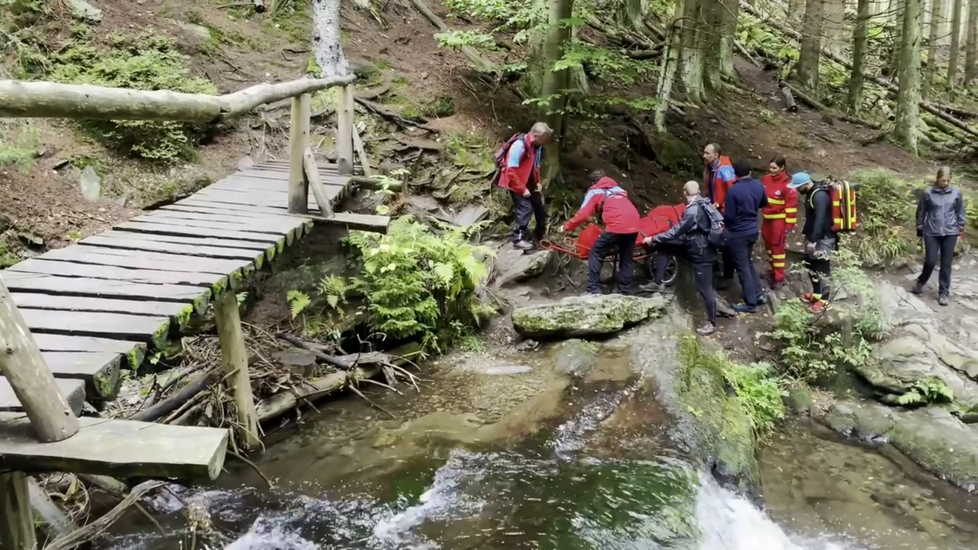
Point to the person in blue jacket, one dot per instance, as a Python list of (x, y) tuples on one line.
[(741, 214), (940, 220)]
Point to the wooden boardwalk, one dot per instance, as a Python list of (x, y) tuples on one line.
[(95, 306)]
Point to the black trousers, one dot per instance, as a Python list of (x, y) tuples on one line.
[(819, 270), (741, 249), (938, 248), (664, 253), (624, 245), (727, 269), (523, 209), (703, 279)]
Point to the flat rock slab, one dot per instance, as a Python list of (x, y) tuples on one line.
[(930, 436), (591, 315), (73, 390), (117, 448)]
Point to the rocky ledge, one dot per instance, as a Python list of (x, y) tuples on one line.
[(591, 315)]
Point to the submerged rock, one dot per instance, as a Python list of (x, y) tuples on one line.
[(575, 358), (931, 437), (591, 315)]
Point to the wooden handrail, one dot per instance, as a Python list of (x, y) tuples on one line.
[(27, 99)]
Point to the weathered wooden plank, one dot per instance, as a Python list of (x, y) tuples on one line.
[(138, 259), (98, 370), (242, 212), (357, 221), (104, 288), (259, 223), (132, 352), (279, 165), (139, 328), (195, 240), (146, 245), (234, 239), (247, 184), (118, 448), (31, 300), (72, 390), (235, 208), (245, 198), (69, 269)]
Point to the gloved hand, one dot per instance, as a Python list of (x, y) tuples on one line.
[(920, 232), (649, 241)]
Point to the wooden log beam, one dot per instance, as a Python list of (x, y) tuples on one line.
[(316, 183), (298, 143), (20, 99), (16, 519), (344, 131), (361, 154), (234, 360), (33, 384)]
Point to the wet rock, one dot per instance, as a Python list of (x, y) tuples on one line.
[(516, 266), (592, 315), (90, 184), (931, 437), (799, 399), (575, 358)]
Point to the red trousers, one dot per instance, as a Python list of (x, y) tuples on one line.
[(773, 233)]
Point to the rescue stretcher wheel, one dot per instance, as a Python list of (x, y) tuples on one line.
[(672, 270)]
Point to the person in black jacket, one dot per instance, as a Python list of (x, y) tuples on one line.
[(741, 213), (692, 230), (820, 240), (940, 219)]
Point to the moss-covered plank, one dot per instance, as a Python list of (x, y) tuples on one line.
[(234, 239), (72, 390), (69, 269), (138, 259), (98, 370), (132, 243), (100, 288), (138, 328)]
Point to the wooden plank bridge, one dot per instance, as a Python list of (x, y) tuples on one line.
[(71, 318)]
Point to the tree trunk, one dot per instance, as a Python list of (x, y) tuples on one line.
[(952, 64), (971, 53), (711, 13), (896, 11), (632, 16), (670, 64), (326, 38), (860, 40), (692, 31), (796, 10), (834, 26), (811, 44), (908, 94), (936, 20), (729, 12), (554, 83)]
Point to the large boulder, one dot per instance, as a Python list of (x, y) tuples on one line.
[(575, 357), (590, 315), (515, 266), (931, 437)]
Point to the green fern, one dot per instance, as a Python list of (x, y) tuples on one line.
[(298, 302)]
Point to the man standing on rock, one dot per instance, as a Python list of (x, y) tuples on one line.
[(522, 178), (743, 202), (820, 240), (693, 230), (620, 219)]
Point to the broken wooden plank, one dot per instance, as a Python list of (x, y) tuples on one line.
[(117, 448), (362, 222), (72, 390), (138, 259), (68, 269), (146, 245), (138, 328), (104, 288), (98, 370), (132, 352), (31, 300)]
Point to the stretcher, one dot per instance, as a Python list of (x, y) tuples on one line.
[(657, 221)]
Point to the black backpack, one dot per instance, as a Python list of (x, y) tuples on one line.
[(715, 228)]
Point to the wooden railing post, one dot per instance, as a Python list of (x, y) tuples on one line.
[(298, 142), (234, 359), (344, 131)]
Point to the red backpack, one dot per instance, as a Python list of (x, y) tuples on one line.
[(499, 159)]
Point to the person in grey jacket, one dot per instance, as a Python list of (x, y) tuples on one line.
[(693, 230), (940, 221)]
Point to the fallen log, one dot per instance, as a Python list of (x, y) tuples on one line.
[(481, 63), (178, 399), (345, 362), (82, 101), (818, 106)]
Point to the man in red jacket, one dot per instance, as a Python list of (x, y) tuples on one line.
[(620, 219), (522, 177), (780, 217)]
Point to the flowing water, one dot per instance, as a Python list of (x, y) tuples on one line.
[(569, 466)]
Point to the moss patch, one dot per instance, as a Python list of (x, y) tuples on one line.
[(106, 384), (135, 356), (183, 318)]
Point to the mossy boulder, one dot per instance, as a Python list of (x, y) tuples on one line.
[(930, 436), (709, 422), (592, 315)]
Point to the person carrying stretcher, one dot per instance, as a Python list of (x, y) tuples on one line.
[(621, 225)]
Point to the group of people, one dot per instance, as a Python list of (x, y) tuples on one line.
[(732, 202)]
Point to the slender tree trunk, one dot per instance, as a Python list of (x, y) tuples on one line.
[(908, 93), (971, 52), (936, 20), (860, 40), (327, 48), (796, 10), (555, 83), (729, 12), (811, 44), (712, 22), (670, 64), (896, 11), (692, 52), (633, 15), (952, 64), (834, 26)]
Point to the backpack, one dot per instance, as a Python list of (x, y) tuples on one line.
[(716, 231), (499, 159), (843, 197)]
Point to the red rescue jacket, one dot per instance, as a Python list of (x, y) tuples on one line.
[(716, 188), (782, 202), (517, 179), (618, 214)]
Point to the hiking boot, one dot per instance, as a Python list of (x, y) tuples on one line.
[(818, 307), (523, 245), (808, 297), (652, 287), (744, 308), (942, 299), (917, 289), (707, 329)]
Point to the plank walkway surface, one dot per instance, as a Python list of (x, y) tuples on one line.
[(94, 307)]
